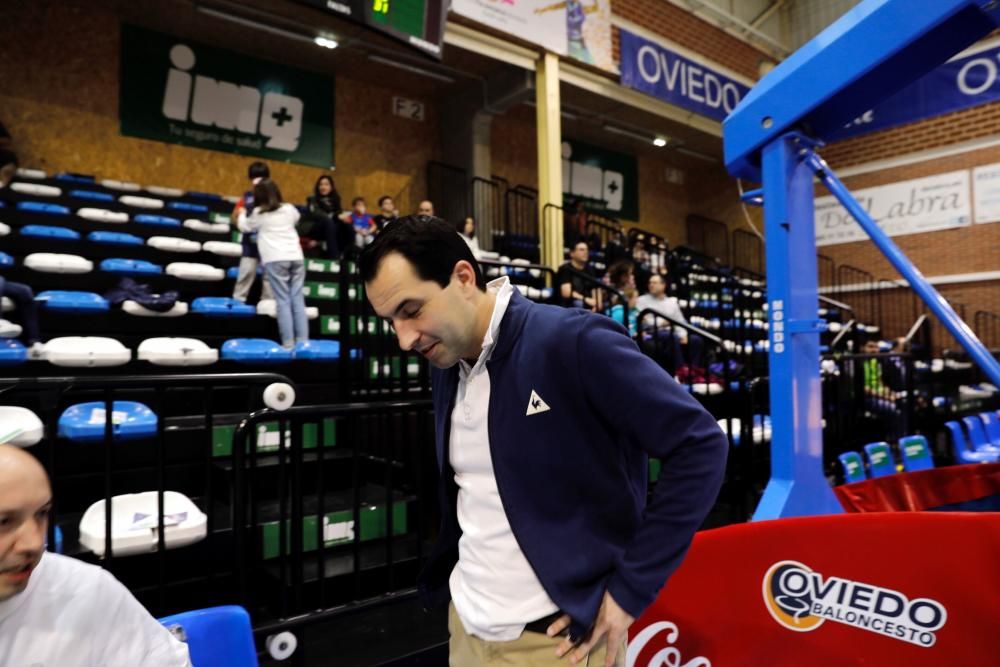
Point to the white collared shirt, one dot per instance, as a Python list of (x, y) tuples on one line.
[(73, 614), (493, 587)]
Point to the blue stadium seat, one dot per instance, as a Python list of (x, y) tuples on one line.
[(50, 231), (977, 434), (41, 207), (70, 177), (211, 196), (880, 461), (234, 272), (854, 467), (115, 238), (73, 302), (916, 453), (84, 422), (152, 219), (12, 352), (215, 637), (222, 306), (991, 422), (187, 207), (960, 447), (255, 350), (318, 350), (130, 266), (6, 260), (90, 194)]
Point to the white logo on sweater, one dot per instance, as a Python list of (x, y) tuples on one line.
[(536, 404)]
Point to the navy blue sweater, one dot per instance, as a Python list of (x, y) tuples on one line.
[(573, 479)]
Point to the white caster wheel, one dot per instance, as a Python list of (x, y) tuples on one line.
[(279, 396), (282, 645)]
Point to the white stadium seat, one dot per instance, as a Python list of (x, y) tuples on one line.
[(163, 192), (103, 215), (194, 271), (31, 173), (141, 202), (223, 248), (9, 330), (137, 309), (176, 352), (173, 244), (36, 189), (51, 262), (135, 521), (20, 426), (4, 229), (86, 351), (209, 227), (269, 308), (6, 305), (123, 186)]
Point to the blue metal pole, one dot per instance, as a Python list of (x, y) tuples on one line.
[(797, 486), (937, 303)]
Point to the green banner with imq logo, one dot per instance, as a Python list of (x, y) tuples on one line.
[(183, 92), (606, 181)]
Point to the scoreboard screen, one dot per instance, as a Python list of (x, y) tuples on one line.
[(419, 23)]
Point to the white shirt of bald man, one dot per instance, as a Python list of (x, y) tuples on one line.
[(73, 614)]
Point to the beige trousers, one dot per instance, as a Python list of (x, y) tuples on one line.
[(531, 649)]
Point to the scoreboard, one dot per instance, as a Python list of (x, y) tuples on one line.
[(419, 23)]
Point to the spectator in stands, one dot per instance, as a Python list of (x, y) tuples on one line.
[(327, 223), (665, 332), (363, 223), (282, 257), (27, 314), (387, 212), (553, 423), (250, 258), (56, 610), (576, 281), (8, 158), (467, 228), (426, 207), (617, 311), (575, 225), (621, 275)]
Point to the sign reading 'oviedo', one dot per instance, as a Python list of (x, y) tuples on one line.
[(182, 92), (652, 69)]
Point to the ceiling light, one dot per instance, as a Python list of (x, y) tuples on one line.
[(659, 142), (325, 42)]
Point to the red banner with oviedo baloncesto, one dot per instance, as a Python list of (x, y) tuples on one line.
[(898, 588)]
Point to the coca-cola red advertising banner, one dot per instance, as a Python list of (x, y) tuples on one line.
[(897, 588)]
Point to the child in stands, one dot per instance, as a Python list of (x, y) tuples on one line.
[(250, 257), (280, 253), (364, 224)]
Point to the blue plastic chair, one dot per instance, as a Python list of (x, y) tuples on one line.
[(880, 461), (186, 207), (70, 177), (130, 267), (255, 350), (215, 637), (12, 352), (84, 422), (73, 302), (318, 350), (234, 272), (115, 238), (916, 453), (211, 196), (6, 260), (991, 422), (222, 306), (42, 207), (160, 220), (51, 232), (91, 195), (854, 467), (977, 435), (961, 450)]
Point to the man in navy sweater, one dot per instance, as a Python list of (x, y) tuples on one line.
[(545, 418)]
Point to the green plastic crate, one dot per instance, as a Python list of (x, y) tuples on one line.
[(267, 437), (320, 290), (391, 368), (329, 324), (338, 528), (322, 265)]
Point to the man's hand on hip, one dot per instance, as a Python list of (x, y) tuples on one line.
[(612, 621)]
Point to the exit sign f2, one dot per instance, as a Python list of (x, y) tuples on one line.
[(408, 108)]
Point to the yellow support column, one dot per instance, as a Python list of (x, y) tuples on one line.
[(550, 219)]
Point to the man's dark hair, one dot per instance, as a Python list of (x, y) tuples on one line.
[(354, 202), (382, 199), (258, 170), (333, 186), (431, 245), (266, 195)]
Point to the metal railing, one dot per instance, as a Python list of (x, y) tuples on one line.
[(487, 206)]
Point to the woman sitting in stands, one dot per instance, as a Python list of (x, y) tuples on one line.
[(280, 253), (467, 228), (328, 223)]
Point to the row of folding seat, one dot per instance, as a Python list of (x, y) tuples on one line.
[(165, 243), (980, 440), (915, 454)]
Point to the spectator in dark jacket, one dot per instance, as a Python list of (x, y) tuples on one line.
[(325, 212)]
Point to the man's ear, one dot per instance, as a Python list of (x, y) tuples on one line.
[(464, 274)]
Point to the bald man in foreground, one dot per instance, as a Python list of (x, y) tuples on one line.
[(57, 611)]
